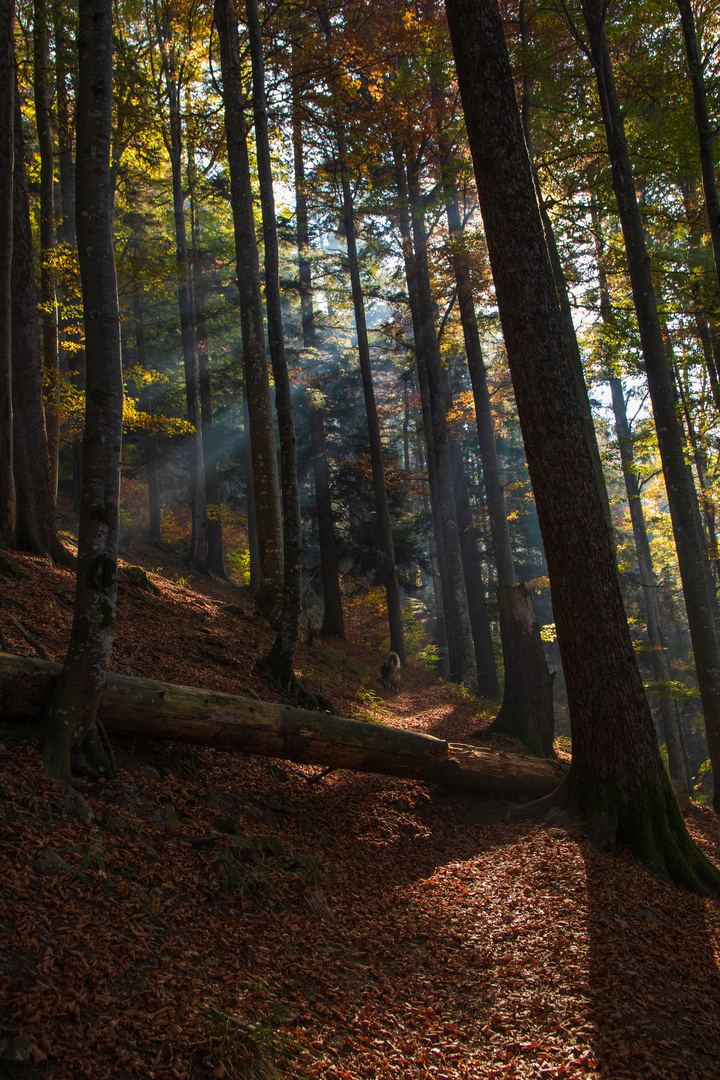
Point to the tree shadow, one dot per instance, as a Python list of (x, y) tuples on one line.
[(653, 980)]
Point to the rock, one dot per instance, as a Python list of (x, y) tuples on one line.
[(49, 862)]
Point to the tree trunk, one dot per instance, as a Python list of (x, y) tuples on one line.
[(333, 623), (72, 361), (262, 425), (36, 524), (197, 557), (487, 680), (528, 683), (43, 94), (385, 539), (455, 598), (148, 439), (705, 131), (215, 548), (527, 709), (617, 782), (74, 737), (669, 719), (281, 658), (146, 709), (446, 640), (681, 495), (7, 153)]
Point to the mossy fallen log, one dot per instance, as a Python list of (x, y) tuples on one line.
[(147, 709)]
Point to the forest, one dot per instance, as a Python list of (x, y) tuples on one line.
[(334, 331)]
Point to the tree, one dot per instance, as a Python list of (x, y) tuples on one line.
[(43, 92), (705, 132), (681, 495), (173, 65), (617, 782), (282, 654), (266, 485), (74, 737), (35, 520), (7, 153)]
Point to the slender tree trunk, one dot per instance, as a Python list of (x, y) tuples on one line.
[(149, 442), (487, 680), (215, 548), (197, 557), (333, 623), (385, 539), (668, 710), (7, 155), (527, 711), (456, 598), (74, 737), (617, 782), (282, 654), (262, 425), (71, 362), (35, 524), (43, 94), (705, 131), (446, 640), (669, 432), (705, 296)]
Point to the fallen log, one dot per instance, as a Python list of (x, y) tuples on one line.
[(153, 710)]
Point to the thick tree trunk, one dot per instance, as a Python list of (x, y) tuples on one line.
[(678, 482), (43, 94), (73, 735), (281, 658), (152, 710), (266, 486), (7, 154), (527, 711), (617, 782), (36, 524)]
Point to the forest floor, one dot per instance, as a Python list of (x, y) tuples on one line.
[(224, 916)]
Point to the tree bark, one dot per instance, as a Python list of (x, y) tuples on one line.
[(446, 640), (333, 624), (148, 439), (7, 154), (678, 482), (527, 711), (74, 737), (617, 782), (51, 362), (262, 425), (197, 556), (455, 598), (705, 132), (147, 709), (281, 658), (35, 524), (385, 538)]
